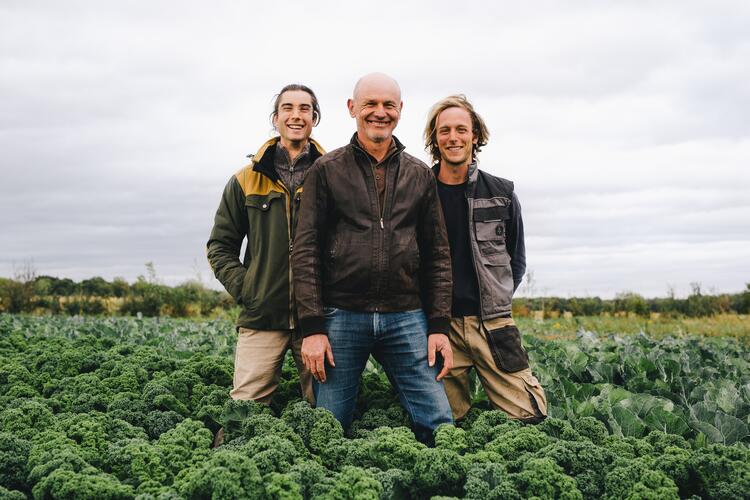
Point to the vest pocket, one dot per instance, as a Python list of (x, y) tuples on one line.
[(507, 349), (490, 235), (491, 243), (491, 230)]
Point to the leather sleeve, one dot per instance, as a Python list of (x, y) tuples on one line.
[(306, 264), (224, 244), (435, 266)]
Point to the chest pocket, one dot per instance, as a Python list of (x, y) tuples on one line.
[(489, 227), (263, 202)]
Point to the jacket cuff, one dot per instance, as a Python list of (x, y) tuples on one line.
[(438, 325), (312, 326)]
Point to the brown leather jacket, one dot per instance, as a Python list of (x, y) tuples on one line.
[(353, 254)]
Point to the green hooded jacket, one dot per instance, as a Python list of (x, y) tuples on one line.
[(258, 206)]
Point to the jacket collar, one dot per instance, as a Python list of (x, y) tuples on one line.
[(355, 142), (263, 159), (473, 172)]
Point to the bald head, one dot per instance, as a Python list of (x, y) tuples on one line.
[(376, 82), (376, 105)]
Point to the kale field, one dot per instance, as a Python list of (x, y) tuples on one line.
[(107, 408)]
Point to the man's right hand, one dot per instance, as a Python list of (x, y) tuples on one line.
[(315, 350)]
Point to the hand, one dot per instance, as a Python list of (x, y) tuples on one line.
[(439, 342), (315, 349)]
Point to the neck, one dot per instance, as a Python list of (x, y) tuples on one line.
[(293, 148), (453, 174), (378, 150)]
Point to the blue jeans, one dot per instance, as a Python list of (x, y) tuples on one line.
[(398, 341)]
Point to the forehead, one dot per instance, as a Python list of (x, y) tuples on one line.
[(295, 97), (378, 91), (454, 116)]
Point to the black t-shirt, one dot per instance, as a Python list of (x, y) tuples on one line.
[(456, 214)]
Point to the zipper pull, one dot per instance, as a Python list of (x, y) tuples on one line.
[(381, 223)]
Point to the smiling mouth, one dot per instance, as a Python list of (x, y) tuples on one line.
[(295, 127), (378, 123)]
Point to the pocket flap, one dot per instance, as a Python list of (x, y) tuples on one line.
[(491, 213), (490, 231), (262, 201)]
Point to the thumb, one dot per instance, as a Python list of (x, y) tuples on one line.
[(430, 352)]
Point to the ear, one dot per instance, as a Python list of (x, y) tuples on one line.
[(275, 121), (350, 105), (400, 106), (475, 140)]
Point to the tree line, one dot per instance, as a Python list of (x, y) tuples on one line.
[(97, 296), (149, 297), (696, 304)]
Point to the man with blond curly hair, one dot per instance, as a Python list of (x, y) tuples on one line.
[(485, 232)]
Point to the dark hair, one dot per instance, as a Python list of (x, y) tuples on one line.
[(303, 88)]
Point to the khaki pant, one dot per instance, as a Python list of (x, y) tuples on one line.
[(518, 394), (258, 360)]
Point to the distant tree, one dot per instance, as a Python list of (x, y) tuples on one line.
[(120, 287), (631, 302), (63, 287), (18, 293), (96, 287), (741, 301), (43, 285)]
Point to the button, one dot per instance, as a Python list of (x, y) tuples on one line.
[(499, 230), (377, 177), (265, 205)]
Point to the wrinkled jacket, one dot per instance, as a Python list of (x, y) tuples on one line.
[(258, 206), (351, 254), (496, 238)]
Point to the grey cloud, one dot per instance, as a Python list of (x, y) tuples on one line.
[(622, 125)]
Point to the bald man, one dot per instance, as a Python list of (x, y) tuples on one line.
[(371, 266)]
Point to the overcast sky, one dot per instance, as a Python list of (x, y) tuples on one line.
[(624, 124)]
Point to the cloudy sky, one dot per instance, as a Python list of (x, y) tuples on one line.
[(625, 125)]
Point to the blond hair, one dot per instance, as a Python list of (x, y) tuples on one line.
[(478, 128)]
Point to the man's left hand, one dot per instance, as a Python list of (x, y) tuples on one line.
[(439, 342)]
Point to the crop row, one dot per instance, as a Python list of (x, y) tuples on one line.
[(123, 408)]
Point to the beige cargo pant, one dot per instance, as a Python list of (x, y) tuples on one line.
[(258, 359), (518, 394)]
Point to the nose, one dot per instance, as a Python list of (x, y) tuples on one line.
[(380, 110)]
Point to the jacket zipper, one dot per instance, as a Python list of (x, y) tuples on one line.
[(380, 271), (381, 211), (289, 258), (377, 195), (289, 217)]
